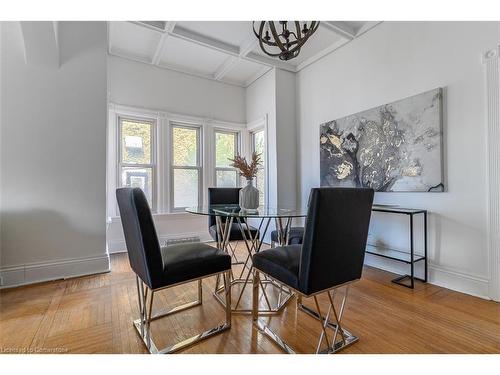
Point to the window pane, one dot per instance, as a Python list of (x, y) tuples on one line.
[(259, 145), (185, 187), (226, 178), (185, 146), (225, 149), (136, 142), (139, 177), (260, 184)]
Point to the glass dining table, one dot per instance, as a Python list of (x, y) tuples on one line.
[(274, 296)]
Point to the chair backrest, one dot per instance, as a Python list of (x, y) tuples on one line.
[(336, 230), (141, 239), (222, 196)]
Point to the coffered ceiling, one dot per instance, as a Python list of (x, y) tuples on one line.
[(226, 51)]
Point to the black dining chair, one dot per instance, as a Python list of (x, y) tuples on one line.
[(158, 268), (228, 196), (331, 257), (295, 236)]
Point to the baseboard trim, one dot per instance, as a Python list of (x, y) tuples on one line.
[(443, 277), (458, 281), (47, 271), (119, 246)]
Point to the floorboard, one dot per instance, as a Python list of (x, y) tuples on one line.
[(94, 314)]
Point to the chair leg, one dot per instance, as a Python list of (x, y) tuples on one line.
[(255, 296), (332, 345), (323, 334), (140, 299), (143, 324), (227, 288), (200, 291), (347, 338), (148, 321)]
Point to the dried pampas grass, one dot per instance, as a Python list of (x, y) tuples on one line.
[(248, 171)]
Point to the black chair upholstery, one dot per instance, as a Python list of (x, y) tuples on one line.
[(192, 260), (281, 263), (334, 242), (159, 267), (295, 236), (226, 196)]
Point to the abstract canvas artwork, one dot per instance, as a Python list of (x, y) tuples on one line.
[(393, 147)]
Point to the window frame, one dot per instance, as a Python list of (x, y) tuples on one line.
[(237, 147), (199, 162), (258, 126), (153, 163)]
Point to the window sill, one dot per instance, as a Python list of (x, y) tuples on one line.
[(162, 215)]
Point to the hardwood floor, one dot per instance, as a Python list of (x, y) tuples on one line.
[(94, 314)]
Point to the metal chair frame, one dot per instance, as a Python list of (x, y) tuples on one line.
[(333, 346), (143, 324)]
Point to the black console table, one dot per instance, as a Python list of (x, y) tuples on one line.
[(408, 257)]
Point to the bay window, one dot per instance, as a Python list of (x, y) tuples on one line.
[(174, 158), (136, 159), (186, 167), (258, 145), (226, 147)]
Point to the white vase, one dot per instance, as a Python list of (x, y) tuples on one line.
[(249, 196)]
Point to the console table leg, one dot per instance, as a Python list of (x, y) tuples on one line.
[(425, 246), (412, 264)]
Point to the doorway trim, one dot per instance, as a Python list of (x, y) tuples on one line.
[(491, 61)]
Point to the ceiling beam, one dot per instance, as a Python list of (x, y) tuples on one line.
[(127, 55), (161, 43), (244, 49), (159, 49), (248, 45), (147, 26), (226, 67), (182, 33), (367, 27), (169, 27), (339, 28)]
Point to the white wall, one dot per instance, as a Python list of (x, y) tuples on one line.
[(144, 86), (260, 104), (273, 95), (286, 138), (53, 155), (394, 61)]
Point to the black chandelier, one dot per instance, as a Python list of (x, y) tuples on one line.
[(287, 44)]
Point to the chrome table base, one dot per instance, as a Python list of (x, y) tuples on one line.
[(253, 246), (283, 297)]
